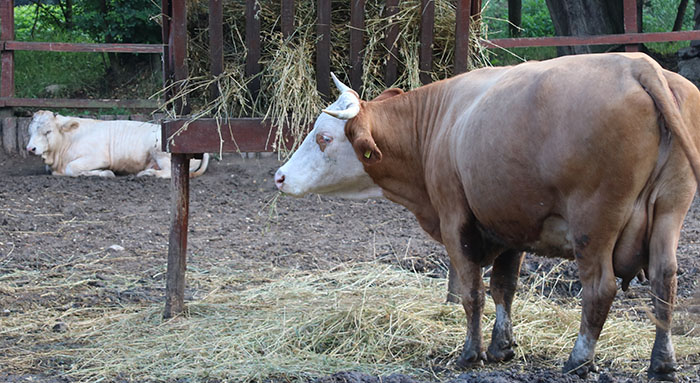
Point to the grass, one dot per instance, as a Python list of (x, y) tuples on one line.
[(292, 325)]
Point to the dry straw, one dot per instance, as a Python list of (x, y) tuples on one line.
[(288, 93), (272, 326)]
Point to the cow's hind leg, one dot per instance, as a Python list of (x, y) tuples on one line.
[(594, 258), (504, 280), (662, 277)]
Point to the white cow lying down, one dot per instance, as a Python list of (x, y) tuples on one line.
[(74, 146)]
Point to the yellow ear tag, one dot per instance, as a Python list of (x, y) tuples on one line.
[(368, 154)]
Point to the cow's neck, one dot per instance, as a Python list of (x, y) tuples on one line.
[(403, 132)]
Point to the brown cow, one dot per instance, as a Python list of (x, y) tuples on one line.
[(590, 157)]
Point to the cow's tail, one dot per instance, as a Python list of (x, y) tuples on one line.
[(202, 166), (653, 80)]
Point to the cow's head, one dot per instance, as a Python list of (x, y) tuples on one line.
[(46, 131), (330, 159)]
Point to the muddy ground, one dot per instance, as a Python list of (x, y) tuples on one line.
[(48, 222)]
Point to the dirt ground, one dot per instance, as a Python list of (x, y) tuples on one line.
[(51, 224)]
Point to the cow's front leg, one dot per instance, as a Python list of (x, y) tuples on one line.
[(464, 255), (87, 167), (598, 280), (504, 280)]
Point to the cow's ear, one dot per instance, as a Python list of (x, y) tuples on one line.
[(69, 125), (389, 93), (359, 132)]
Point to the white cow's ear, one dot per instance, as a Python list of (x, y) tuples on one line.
[(359, 132), (70, 125)]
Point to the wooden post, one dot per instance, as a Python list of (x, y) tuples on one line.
[(216, 43), (323, 48), (9, 134), (177, 249), (357, 28), (178, 49), (462, 35), (392, 34), (7, 33), (23, 135), (515, 17), (287, 18), (252, 42), (630, 16), (165, 14), (427, 23)]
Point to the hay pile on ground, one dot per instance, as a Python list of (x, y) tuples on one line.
[(288, 80), (292, 325)]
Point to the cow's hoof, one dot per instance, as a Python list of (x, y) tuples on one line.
[(470, 359), (580, 368), (499, 353), (662, 371)]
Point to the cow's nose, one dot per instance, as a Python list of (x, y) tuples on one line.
[(279, 179), (31, 149)]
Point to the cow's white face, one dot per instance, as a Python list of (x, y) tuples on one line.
[(326, 163), (43, 133)]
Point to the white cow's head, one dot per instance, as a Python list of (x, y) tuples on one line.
[(46, 132), (325, 162)]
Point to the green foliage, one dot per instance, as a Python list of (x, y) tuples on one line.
[(536, 21), (123, 21), (659, 15), (35, 70)]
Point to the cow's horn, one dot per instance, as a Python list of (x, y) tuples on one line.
[(341, 87), (351, 111)]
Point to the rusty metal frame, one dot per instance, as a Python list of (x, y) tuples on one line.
[(251, 135)]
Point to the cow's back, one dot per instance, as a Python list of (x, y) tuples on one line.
[(548, 135)]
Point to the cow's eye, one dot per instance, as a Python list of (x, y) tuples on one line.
[(323, 140), (47, 133)]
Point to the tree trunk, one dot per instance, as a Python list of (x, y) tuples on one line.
[(515, 17), (587, 18)]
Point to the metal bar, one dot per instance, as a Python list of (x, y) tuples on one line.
[(252, 42), (216, 42), (287, 18), (177, 249), (462, 21), (627, 38), (7, 32), (12, 45), (323, 48), (206, 135), (392, 34), (427, 23), (629, 9), (178, 34), (77, 103), (357, 29)]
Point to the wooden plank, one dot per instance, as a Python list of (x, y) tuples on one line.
[(462, 23), (323, 48), (177, 248), (178, 32), (7, 32), (9, 134), (357, 28), (216, 43), (165, 14), (23, 135), (392, 34), (78, 103), (82, 47), (252, 42), (427, 24), (627, 38), (629, 9), (202, 136), (287, 18)]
